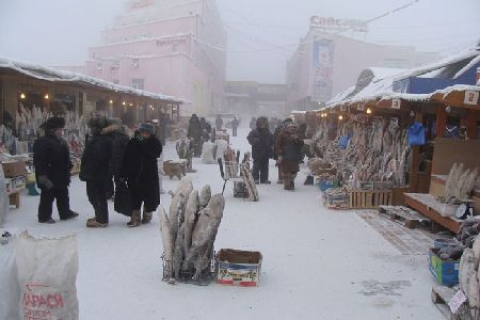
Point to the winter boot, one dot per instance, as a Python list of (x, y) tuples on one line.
[(287, 181), (135, 220), (96, 224), (147, 217)]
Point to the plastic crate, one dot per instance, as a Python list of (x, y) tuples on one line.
[(324, 184), (445, 272)]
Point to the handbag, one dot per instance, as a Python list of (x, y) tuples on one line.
[(122, 203)]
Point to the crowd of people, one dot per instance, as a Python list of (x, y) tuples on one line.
[(113, 165), (284, 145), (111, 160)]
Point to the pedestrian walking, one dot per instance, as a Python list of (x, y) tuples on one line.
[(140, 169), (289, 145), (51, 159), (95, 170), (281, 126), (253, 123), (219, 123), (235, 124), (195, 133), (261, 140)]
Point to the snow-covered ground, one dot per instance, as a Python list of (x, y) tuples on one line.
[(318, 264)]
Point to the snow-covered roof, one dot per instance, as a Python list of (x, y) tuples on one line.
[(381, 86), (56, 75)]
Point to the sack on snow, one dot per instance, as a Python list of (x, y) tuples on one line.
[(47, 272)]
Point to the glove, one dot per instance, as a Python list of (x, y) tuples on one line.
[(47, 183)]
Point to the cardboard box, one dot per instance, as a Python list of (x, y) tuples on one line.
[(239, 268), (15, 184), (14, 169), (445, 272)]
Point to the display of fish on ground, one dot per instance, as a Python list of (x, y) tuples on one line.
[(189, 232), (204, 235)]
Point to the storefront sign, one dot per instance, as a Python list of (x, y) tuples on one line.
[(471, 98), (396, 103), (322, 69), (333, 24)]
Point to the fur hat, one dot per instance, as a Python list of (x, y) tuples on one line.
[(262, 122), (53, 124), (147, 128)]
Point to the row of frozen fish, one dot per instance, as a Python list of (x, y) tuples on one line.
[(378, 151), (189, 231)]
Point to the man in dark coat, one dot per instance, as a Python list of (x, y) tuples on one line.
[(206, 129), (235, 124), (219, 123), (281, 126), (141, 171), (261, 140), (116, 132), (95, 170), (195, 133), (51, 158), (289, 146)]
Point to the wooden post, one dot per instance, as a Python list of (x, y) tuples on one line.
[(472, 118), (441, 121), (414, 168)]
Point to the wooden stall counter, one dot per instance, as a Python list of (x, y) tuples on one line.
[(425, 204)]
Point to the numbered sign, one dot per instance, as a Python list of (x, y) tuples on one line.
[(361, 107), (471, 98), (396, 103)]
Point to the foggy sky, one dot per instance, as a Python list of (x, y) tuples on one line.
[(262, 33)]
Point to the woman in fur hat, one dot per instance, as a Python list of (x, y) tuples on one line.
[(289, 151), (140, 169), (51, 158)]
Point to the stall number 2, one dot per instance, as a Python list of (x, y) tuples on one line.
[(471, 97)]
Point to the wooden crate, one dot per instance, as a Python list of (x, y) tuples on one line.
[(369, 199)]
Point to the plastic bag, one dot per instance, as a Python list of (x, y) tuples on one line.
[(416, 134), (343, 142), (47, 273), (209, 153), (9, 289)]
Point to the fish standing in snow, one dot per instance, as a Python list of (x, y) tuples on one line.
[(205, 196), (168, 243), (204, 235), (179, 201), (190, 217)]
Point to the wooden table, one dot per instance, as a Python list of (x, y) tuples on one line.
[(418, 202)]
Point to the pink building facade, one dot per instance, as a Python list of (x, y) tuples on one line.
[(326, 64), (174, 47)]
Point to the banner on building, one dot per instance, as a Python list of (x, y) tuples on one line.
[(322, 67)]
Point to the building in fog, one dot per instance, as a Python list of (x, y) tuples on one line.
[(175, 47), (325, 64), (255, 99)]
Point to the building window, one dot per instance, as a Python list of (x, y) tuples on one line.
[(135, 63), (138, 84)]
